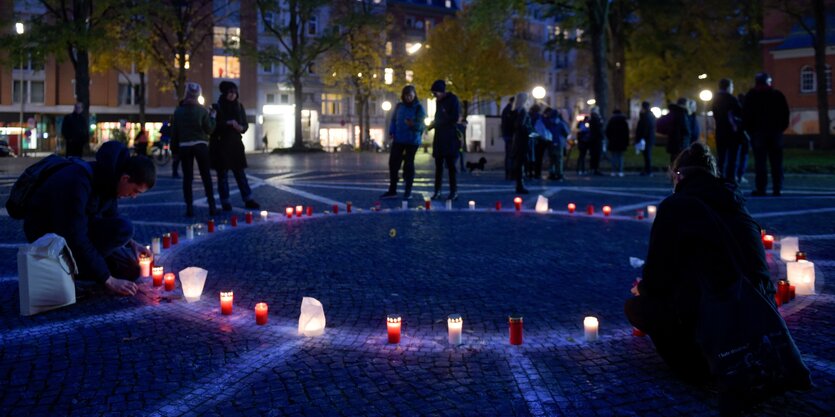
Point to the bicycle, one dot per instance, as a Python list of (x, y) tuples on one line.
[(161, 153)]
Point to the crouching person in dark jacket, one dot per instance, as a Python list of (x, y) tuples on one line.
[(83, 210)]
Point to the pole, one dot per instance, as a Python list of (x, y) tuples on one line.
[(705, 123), (22, 103)]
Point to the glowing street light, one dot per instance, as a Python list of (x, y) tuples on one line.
[(538, 92), (703, 76), (591, 102), (18, 27), (386, 105), (706, 96), (656, 111), (413, 48)]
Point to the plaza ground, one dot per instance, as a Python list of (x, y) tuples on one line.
[(155, 354)]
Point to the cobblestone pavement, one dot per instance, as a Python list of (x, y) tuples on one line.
[(155, 354)]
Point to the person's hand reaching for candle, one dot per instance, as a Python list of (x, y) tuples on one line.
[(121, 286), (138, 249), (634, 289)]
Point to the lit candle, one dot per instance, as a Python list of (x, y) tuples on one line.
[(144, 265), (175, 238), (517, 203), (515, 325), (166, 241), (299, 211), (211, 226), (471, 204), (189, 232), (788, 248), (590, 326), (248, 217), (802, 275), (309, 211), (155, 246), (607, 210), (448, 204), (783, 291), (651, 212), (289, 212), (404, 205), (393, 323), (455, 324), (336, 209), (637, 332), (226, 302), (261, 310), (156, 274), (233, 221), (589, 209), (768, 241), (347, 206), (572, 207), (498, 206), (264, 214), (169, 281), (427, 204), (800, 256)]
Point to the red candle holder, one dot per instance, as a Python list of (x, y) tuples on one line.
[(248, 217), (166, 241), (289, 212), (800, 256), (427, 204), (233, 221), (169, 281), (299, 211), (211, 226), (226, 299), (393, 325), (607, 211), (572, 207), (515, 326), (261, 311), (498, 206), (157, 274), (309, 211), (336, 209), (347, 206), (517, 203), (175, 238), (768, 241), (792, 290), (590, 209), (777, 300), (783, 291), (639, 215)]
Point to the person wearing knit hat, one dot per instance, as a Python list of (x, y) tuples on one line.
[(445, 145), (190, 129), (226, 148)]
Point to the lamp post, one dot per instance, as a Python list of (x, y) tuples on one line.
[(706, 96), (538, 92), (20, 29)]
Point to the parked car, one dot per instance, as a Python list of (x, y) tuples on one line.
[(5, 149)]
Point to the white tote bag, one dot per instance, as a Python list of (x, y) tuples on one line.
[(46, 269)]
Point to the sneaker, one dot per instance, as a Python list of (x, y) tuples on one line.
[(252, 205), (436, 196), (388, 195), (226, 206), (452, 196)]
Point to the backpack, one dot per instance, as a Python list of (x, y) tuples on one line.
[(33, 177)]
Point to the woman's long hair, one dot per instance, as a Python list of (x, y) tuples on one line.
[(406, 90)]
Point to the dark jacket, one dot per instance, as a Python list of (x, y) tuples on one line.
[(507, 121), (225, 146), (400, 130), (447, 112), (75, 129), (67, 200), (617, 131), (646, 128), (558, 128), (692, 129), (191, 125), (765, 110), (595, 131), (522, 128), (686, 246), (726, 108), (679, 131)]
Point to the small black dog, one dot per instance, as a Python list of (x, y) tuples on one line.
[(472, 166)]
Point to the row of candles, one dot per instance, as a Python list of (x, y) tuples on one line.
[(800, 273)]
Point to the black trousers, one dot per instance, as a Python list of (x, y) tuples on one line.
[(75, 148), (439, 172), (188, 155), (727, 151), (402, 154), (648, 157), (768, 148), (111, 237)]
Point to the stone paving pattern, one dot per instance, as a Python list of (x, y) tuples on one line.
[(155, 354)]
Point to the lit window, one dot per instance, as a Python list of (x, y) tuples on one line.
[(388, 48), (177, 61), (226, 66), (388, 78), (226, 37), (331, 104), (807, 80), (409, 75), (448, 4)]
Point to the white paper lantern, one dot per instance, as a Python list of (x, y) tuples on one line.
[(651, 210), (801, 274), (788, 248), (455, 326), (590, 328), (541, 204), (312, 318), (192, 280)]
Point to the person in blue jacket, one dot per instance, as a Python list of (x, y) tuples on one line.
[(406, 131), (83, 209)]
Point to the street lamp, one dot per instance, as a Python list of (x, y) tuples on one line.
[(538, 92), (706, 96), (18, 27), (386, 105)]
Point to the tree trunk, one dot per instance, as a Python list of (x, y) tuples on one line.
[(82, 82), (617, 55), (367, 130), (142, 98), (598, 12), (820, 70), (298, 96)]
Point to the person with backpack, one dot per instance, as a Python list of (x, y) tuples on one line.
[(78, 201), (226, 148), (192, 124), (405, 130), (446, 145)]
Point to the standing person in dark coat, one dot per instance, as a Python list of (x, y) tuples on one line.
[(165, 137), (595, 140), (727, 112), (76, 131), (446, 143), (406, 133), (559, 135), (646, 131), (583, 141), (765, 116), (521, 136), (617, 131), (684, 235), (83, 209), (190, 130), (692, 123), (227, 149), (536, 146), (507, 137), (680, 130)]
